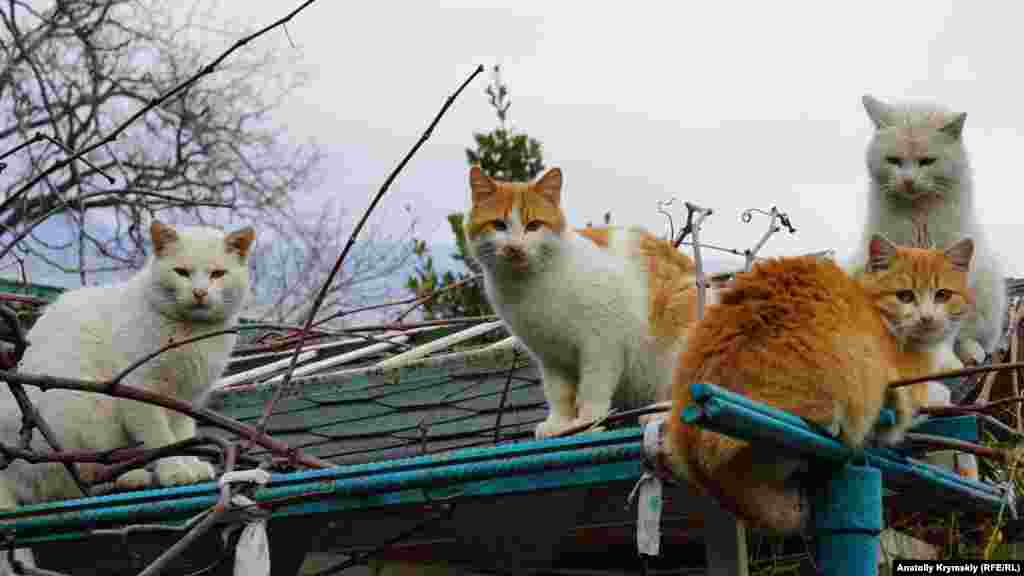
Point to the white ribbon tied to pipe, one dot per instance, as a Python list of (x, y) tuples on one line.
[(648, 494), (252, 553)]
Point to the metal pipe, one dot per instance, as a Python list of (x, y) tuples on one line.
[(718, 412), (470, 465), (847, 519)]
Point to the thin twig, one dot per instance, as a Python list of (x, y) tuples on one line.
[(203, 415), (219, 509), (986, 408), (504, 394), (415, 302), (30, 417), (56, 209), (662, 204), (311, 317), (422, 324), (425, 299), (656, 408), (955, 373), (103, 142), (362, 557), (942, 442), (777, 222), (179, 343)]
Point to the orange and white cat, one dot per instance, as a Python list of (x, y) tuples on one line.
[(802, 335), (602, 310)]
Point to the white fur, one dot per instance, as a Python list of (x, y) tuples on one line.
[(95, 332), (953, 219), (582, 312)]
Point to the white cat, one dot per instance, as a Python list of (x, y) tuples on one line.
[(602, 310), (196, 282), (921, 190)]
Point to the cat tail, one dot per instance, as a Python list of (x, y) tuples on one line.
[(759, 487)]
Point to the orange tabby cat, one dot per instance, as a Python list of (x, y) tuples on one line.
[(604, 311), (803, 336)]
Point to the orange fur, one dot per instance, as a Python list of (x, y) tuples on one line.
[(672, 294), (494, 200), (801, 335), (671, 277), (599, 236)]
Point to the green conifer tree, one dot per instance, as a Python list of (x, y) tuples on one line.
[(504, 154)]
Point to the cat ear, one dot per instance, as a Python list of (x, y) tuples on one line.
[(550, 185), (877, 110), (480, 185), (880, 252), (240, 241), (162, 236), (955, 126), (960, 254)]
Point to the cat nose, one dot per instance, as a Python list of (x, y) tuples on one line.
[(199, 293), (927, 319), (514, 252)]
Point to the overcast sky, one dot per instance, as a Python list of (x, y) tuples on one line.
[(731, 105)]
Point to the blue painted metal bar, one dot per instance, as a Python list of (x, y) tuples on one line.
[(847, 520), (701, 391), (580, 460), (847, 515), (719, 413)]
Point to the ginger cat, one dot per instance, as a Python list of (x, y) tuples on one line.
[(922, 194), (801, 335), (603, 311)]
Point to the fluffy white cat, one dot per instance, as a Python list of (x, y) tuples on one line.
[(922, 191), (196, 282)]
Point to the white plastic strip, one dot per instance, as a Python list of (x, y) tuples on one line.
[(258, 371), (288, 351), (344, 358), (256, 476), (408, 357), (648, 494), (252, 553), (506, 344)]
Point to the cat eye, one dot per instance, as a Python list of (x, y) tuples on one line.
[(943, 295), (534, 226), (894, 160), (905, 296), (217, 273), (499, 225), (183, 272), (926, 161)]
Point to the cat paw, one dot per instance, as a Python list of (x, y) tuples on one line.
[(969, 351), (180, 470), (553, 426), (134, 480)]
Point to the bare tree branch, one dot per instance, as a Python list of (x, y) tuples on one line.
[(111, 88), (286, 381)]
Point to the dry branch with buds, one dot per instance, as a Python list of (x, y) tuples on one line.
[(311, 317)]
